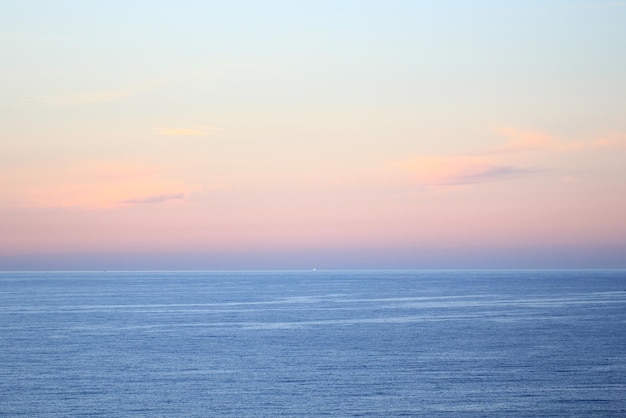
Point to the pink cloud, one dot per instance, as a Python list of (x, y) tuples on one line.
[(156, 199), (95, 97), (456, 170), (195, 131), (526, 141), (613, 141), (94, 185), (502, 162), (521, 141)]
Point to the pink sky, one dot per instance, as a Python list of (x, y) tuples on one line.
[(307, 137)]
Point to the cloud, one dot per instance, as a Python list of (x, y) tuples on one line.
[(93, 185), (91, 97), (196, 131), (529, 141), (456, 170), (609, 142), (524, 141), (508, 160), (85, 98), (155, 199)]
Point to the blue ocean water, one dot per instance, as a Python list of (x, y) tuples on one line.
[(313, 343)]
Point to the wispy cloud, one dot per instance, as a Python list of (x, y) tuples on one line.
[(529, 141), (194, 131), (523, 141), (93, 97), (94, 185), (155, 199), (457, 170), (609, 142), (507, 160)]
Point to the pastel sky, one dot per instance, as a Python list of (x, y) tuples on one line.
[(148, 134)]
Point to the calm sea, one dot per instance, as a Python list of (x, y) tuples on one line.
[(314, 343)]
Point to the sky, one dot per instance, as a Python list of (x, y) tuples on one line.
[(191, 135)]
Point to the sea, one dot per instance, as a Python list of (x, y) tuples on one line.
[(461, 343)]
